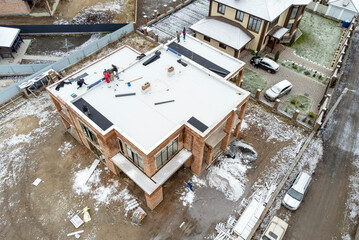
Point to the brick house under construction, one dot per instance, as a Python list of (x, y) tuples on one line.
[(171, 107)]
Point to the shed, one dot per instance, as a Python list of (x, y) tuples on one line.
[(10, 41), (343, 9)]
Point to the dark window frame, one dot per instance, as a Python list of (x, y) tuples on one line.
[(134, 157), (121, 145), (239, 15), (295, 10), (256, 24), (166, 153), (206, 38), (89, 133), (222, 45), (221, 8)]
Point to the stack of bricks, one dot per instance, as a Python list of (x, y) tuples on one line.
[(14, 7)]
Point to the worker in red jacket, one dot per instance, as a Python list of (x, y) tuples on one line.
[(107, 76)]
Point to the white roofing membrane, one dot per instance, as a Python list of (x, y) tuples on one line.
[(225, 33), (8, 36), (266, 9), (196, 92), (212, 54)]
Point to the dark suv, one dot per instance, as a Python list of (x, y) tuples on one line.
[(265, 63)]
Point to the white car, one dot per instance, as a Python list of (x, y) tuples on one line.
[(275, 229), (278, 90), (296, 192)]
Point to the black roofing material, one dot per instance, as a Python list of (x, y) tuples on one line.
[(159, 103), (125, 94), (198, 59), (95, 116), (182, 63), (152, 59), (197, 124), (77, 78)]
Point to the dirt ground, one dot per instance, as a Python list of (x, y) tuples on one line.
[(52, 44), (32, 146), (68, 9)]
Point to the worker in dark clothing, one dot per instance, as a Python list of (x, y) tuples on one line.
[(81, 82), (115, 69), (86, 110)]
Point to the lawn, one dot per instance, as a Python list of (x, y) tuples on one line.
[(253, 81), (303, 104), (320, 39)]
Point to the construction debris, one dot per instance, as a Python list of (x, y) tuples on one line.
[(125, 94), (131, 205), (159, 103), (75, 233), (92, 169), (138, 215), (86, 213), (37, 181), (76, 221)]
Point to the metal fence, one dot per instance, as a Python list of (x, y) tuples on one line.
[(67, 28), (70, 60), (21, 69)]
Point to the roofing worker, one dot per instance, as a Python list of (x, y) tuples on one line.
[(184, 34), (86, 110), (81, 82), (115, 69), (178, 36), (107, 76)]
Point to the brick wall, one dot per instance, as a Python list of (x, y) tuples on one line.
[(14, 7)]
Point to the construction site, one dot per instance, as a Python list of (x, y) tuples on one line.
[(142, 133)]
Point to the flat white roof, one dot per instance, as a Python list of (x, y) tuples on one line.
[(8, 36), (266, 9), (194, 91), (223, 32), (212, 54)]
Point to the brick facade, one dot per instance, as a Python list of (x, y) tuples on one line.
[(14, 7)]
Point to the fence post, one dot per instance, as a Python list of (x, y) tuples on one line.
[(155, 14), (276, 104), (316, 6), (165, 8), (182, 1), (145, 19), (258, 93), (174, 3), (156, 38), (295, 115), (145, 31)]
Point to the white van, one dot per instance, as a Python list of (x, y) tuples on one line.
[(275, 229), (295, 194)]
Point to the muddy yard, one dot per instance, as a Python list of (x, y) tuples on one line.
[(34, 144)]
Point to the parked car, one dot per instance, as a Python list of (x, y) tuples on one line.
[(275, 229), (265, 63), (278, 90), (296, 192)]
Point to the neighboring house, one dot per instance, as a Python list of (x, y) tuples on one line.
[(174, 107), (343, 9), (235, 25)]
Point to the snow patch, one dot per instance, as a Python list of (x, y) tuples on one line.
[(187, 197), (65, 148), (353, 201), (229, 177)]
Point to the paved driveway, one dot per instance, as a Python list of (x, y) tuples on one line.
[(301, 85)]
